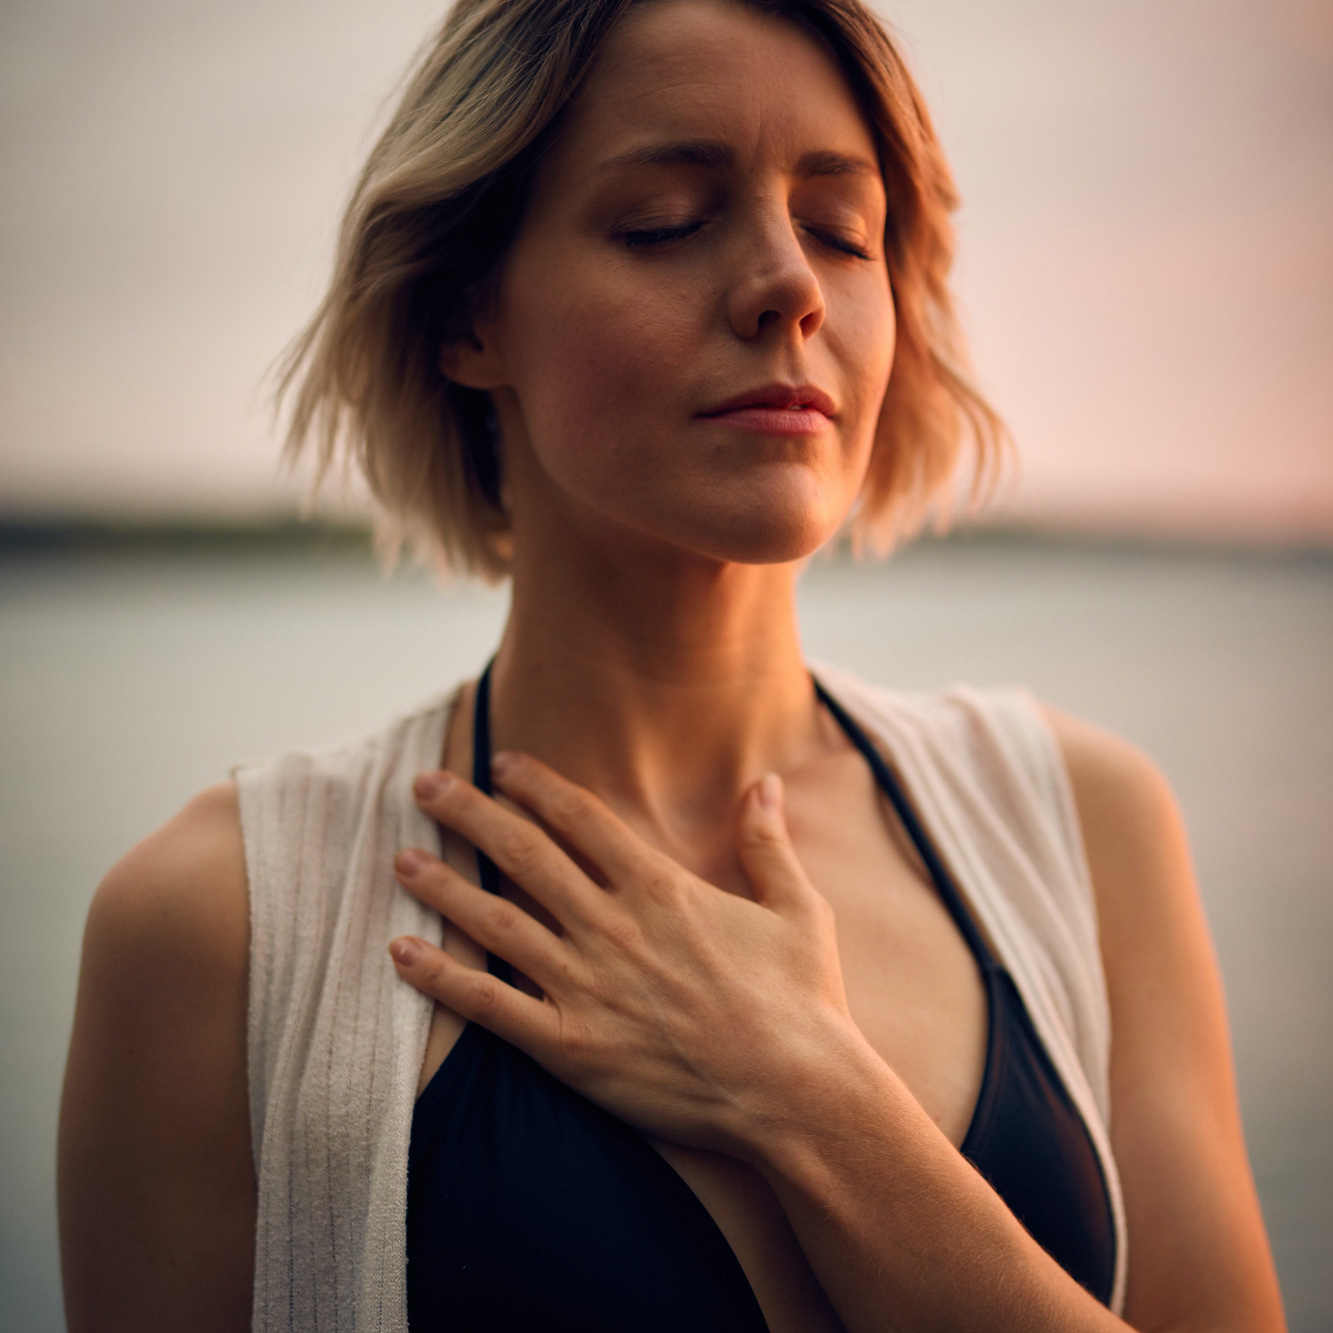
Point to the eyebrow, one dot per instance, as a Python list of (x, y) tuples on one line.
[(712, 155)]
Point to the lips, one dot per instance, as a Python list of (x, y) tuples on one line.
[(778, 397), (776, 410)]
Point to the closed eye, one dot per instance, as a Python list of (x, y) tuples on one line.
[(642, 236), (658, 235), (839, 243)]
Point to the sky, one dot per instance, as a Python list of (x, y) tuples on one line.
[(1145, 244)]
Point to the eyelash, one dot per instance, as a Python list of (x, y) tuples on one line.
[(661, 235)]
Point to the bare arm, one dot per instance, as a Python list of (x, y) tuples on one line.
[(1198, 1256), (155, 1184)]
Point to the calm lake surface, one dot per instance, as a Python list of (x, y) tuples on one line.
[(129, 682)]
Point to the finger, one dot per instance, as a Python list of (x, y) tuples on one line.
[(523, 851), (765, 847), (530, 1024), (499, 926), (584, 822)]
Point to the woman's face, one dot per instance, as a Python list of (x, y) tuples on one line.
[(693, 332)]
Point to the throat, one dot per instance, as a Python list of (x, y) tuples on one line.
[(672, 754)]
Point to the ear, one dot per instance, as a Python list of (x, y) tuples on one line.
[(473, 360)]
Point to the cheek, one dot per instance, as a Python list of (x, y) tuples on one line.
[(597, 369), (862, 334)]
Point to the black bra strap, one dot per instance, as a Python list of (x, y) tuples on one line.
[(890, 786), (481, 780)]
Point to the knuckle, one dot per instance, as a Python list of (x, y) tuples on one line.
[(479, 995), (516, 849), (436, 971), (654, 876), (499, 919), (662, 884), (625, 933), (516, 763), (762, 835), (571, 808), (433, 884), (576, 1040), (450, 796), (822, 908), (821, 912)]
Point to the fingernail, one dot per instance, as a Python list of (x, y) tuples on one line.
[(770, 793), (409, 862), (405, 951), (502, 762), (430, 785)]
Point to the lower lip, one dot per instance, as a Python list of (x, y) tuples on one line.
[(773, 420)]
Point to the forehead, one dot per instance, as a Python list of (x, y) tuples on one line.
[(698, 70)]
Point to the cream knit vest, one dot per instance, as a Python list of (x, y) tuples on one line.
[(336, 1041)]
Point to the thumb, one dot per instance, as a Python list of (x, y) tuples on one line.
[(765, 846)]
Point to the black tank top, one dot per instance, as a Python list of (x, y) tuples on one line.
[(529, 1207)]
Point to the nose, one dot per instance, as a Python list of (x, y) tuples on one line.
[(775, 289)]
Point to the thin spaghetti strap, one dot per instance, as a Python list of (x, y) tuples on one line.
[(892, 788), (481, 780)]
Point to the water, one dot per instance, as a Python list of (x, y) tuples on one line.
[(130, 682)]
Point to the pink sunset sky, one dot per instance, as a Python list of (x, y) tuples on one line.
[(1146, 244)]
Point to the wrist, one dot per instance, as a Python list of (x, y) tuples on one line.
[(830, 1096)]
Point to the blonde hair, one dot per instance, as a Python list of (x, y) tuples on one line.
[(441, 198)]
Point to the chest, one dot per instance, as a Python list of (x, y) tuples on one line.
[(913, 988), (913, 985)]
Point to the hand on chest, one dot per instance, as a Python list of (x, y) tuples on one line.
[(912, 984)]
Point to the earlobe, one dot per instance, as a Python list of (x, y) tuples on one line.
[(473, 361)]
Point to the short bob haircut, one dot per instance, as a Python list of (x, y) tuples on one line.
[(439, 202)]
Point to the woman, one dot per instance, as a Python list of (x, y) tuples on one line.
[(731, 998)]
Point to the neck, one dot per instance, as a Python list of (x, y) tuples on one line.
[(667, 686)]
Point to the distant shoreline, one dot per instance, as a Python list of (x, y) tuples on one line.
[(25, 536), (78, 534)]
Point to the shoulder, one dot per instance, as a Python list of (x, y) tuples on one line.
[(1154, 938), (163, 981), (1132, 830), (179, 896), (1114, 782)]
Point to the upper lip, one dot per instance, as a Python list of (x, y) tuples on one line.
[(778, 395)]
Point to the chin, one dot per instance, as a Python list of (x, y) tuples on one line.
[(767, 534), (763, 518)]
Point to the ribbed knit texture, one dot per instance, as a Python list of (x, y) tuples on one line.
[(336, 1041)]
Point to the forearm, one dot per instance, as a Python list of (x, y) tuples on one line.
[(902, 1233)]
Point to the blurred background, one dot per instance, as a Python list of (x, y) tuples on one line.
[(1146, 269)]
